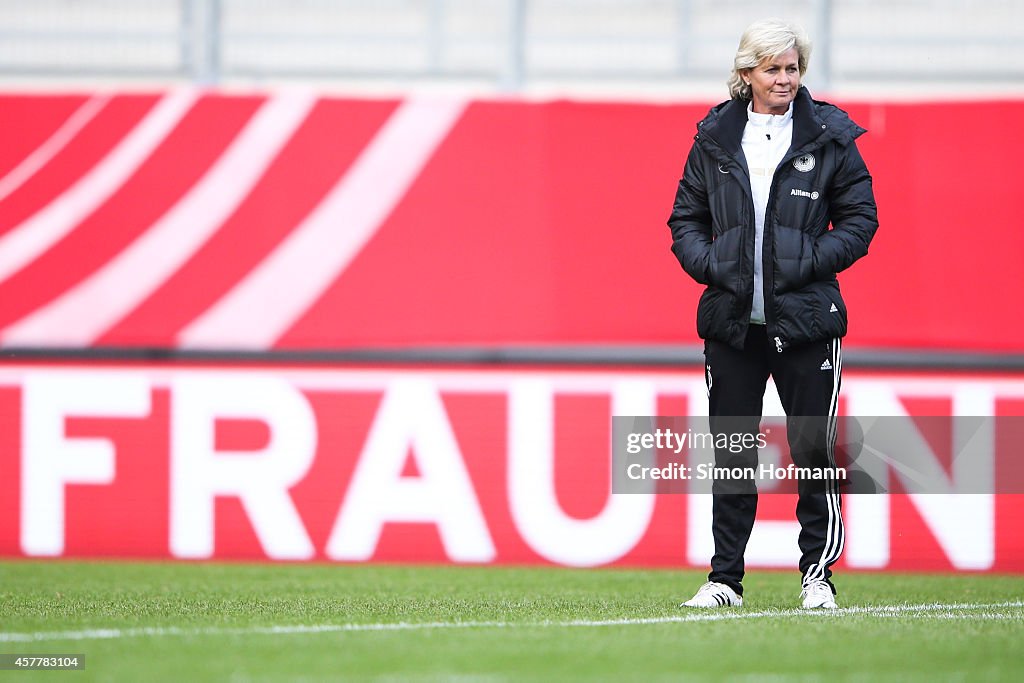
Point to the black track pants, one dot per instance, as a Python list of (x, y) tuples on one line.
[(808, 379)]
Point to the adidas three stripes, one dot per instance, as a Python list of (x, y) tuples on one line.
[(808, 378)]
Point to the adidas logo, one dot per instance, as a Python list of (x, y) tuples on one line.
[(827, 365), (833, 309)]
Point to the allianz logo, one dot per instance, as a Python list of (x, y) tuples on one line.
[(803, 193)]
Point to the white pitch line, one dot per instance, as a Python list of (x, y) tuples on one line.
[(935, 610)]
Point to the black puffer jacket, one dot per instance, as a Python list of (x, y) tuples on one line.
[(821, 180)]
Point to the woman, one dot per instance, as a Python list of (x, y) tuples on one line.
[(769, 172)]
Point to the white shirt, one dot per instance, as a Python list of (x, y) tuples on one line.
[(766, 139)]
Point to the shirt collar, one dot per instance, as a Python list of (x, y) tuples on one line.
[(773, 120)]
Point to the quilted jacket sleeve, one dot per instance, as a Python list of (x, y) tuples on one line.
[(854, 217), (690, 221)]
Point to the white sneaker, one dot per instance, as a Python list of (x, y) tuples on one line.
[(714, 594), (818, 595)]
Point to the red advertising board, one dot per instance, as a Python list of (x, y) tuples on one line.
[(288, 220), (199, 220), (461, 465)]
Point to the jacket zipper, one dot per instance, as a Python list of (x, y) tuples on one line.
[(780, 343), (766, 253), (769, 278)]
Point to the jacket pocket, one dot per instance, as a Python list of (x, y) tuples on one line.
[(724, 260), (793, 257), (713, 313), (830, 309), (813, 313)]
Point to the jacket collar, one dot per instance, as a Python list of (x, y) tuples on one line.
[(807, 125), (725, 123)]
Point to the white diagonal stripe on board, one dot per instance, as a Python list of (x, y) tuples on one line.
[(33, 236), (42, 154), (264, 305), (86, 311)]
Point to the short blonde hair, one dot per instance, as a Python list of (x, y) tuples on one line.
[(766, 39)]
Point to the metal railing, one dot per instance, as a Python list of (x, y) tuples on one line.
[(506, 44)]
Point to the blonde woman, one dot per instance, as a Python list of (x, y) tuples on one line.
[(774, 201)]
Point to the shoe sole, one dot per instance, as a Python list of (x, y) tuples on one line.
[(728, 604)]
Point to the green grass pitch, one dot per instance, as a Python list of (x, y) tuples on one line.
[(240, 622)]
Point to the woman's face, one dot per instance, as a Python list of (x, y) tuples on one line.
[(774, 82)]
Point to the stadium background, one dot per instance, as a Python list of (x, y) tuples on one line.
[(364, 281)]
